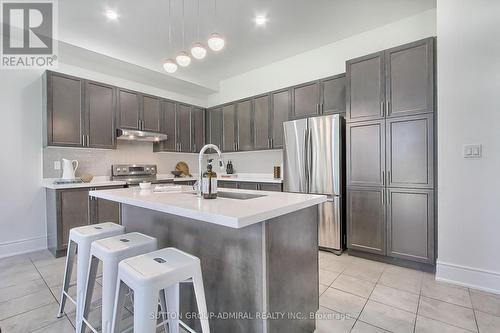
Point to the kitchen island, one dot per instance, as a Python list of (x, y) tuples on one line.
[(258, 251)]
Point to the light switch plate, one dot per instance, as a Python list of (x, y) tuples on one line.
[(57, 165), (473, 150)]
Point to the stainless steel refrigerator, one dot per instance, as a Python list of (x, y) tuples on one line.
[(312, 163)]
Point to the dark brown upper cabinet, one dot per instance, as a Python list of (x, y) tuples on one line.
[(214, 127), (168, 126), (129, 109), (365, 94), (64, 116), (184, 128), (198, 119), (262, 119), (410, 78), (229, 128), (244, 125), (100, 106), (151, 110), (280, 113), (333, 94), (306, 100)]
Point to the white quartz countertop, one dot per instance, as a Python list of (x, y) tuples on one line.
[(99, 181), (228, 212)]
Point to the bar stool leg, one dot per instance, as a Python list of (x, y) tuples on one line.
[(145, 310), (121, 294), (89, 290), (109, 274), (172, 296), (82, 271), (164, 310), (199, 292), (70, 256)]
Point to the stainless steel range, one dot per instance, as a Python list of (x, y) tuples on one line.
[(133, 174)]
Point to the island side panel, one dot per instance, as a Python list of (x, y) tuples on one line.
[(292, 270), (231, 259)]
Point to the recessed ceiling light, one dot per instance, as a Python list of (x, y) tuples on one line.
[(260, 20), (112, 15)]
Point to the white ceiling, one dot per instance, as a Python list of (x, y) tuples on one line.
[(140, 36)]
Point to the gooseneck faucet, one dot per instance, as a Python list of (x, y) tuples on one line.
[(200, 162)]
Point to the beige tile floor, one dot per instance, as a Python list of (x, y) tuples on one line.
[(356, 295)]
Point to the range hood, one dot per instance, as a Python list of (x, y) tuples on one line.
[(136, 135)]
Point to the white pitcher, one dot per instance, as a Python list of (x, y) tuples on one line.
[(69, 168)]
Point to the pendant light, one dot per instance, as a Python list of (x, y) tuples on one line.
[(198, 51), (183, 59), (169, 65), (216, 42)]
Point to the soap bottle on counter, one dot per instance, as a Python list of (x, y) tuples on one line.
[(209, 183)]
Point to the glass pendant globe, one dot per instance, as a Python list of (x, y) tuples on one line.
[(198, 51), (216, 42), (170, 66), (183, 59)]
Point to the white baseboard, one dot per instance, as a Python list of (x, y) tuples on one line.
[(468, 277), (21, 246)]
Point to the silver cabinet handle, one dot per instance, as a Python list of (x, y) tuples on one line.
[(388, 197), (83, 140), (88, 140), (389, 177), (383, 196), (388, 107), (382, 108), (383, 177)]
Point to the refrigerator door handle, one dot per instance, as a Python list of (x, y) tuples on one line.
[(309, 159), (306, 162)]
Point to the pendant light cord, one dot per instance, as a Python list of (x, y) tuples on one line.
[(183, 19), (169, 23), (198, 27)]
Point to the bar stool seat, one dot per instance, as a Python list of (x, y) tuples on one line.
[(110, 251), (80, 239), (150, 273)]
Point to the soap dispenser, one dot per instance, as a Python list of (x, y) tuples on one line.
[(209, 182), (229, 168)]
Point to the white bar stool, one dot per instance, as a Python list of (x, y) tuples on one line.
[(151, 273), (80, 239), (110, 251)]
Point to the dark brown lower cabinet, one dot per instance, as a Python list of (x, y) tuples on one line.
[(366, 219), (248, 186), (275, 187), (71, 208)]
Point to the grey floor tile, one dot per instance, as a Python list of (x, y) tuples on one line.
[(333, 265), (54, 274), (14, 260), (394, 297), (322, 288), (388, 317), (353, 285), (361, 327), (70, 307), (327, 277), (328, 321), (342, 302), (446, 292), (25, 303), (446, 312), (31, 320), (13, 279), (427, 325), (365, 271), (22, 289), (487, 323), (403, 280), (485, 302), (61, 326)]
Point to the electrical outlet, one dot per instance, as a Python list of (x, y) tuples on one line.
[(473, 150), (57, 165)]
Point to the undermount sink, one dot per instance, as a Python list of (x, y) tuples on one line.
[(239, 195)]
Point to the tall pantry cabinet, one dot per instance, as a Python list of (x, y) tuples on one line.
[(390, 153)]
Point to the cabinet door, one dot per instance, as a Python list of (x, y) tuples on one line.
[(244, 121), (100, 108), (106, 211), (227, 184), (365, 88), (261, 121), (410, 78), (333, 95), (215, 127), (151, 113), (365, 153), (366, 219), (305, 100), (410, 151), (228, 125), (270, 187), (73, 211), (280, 113), (248, 186), (65, 122), (198, 117), (184, 127), (168, 126), (410, 224), (128, 109)]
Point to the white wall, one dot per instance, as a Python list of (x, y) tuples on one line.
[(468, 64), (324, 61)]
